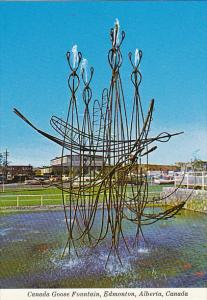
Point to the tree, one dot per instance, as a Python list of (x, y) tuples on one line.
[(198, 164)]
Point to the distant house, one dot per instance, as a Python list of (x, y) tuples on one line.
[(43, 171), (13, 171)]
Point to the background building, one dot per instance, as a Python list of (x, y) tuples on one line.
[(17, 172), (43, 171), (69, 166)]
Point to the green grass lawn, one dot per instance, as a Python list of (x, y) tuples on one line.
[(45, 196), (30, 197), (30, 191)]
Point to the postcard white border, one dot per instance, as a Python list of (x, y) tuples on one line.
[(108, 294)]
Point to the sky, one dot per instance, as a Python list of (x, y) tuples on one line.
[(35, 37)]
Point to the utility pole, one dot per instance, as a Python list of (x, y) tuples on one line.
[(2, 170), (4, 164)]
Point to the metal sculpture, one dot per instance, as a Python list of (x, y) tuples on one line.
[(121, 141)]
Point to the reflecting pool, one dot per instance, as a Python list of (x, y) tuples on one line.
[(174, 254)]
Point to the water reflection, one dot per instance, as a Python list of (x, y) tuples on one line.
[(32, 243)]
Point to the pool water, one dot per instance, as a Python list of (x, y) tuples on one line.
[(174, 254)]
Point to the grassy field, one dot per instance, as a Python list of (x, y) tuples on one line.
[(43, 196), (30, 197)]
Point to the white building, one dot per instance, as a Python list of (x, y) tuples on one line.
[(95, 162)]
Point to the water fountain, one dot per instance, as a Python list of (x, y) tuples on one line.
[(118, 192)]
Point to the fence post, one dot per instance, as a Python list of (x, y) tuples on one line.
[(187, 179), (203, 183), (41, 200), (17, 201)]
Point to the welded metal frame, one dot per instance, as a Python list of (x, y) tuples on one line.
[(121, 141)]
